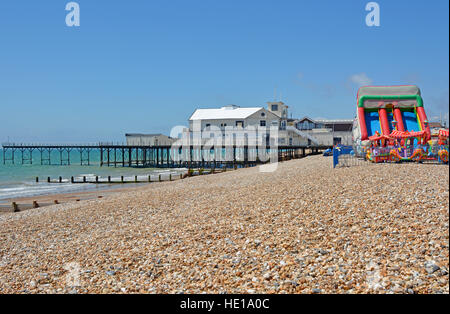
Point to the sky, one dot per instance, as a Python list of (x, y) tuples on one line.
[(145, 66)]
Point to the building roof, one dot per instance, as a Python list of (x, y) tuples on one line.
[(335, 121), (228, 112), (306, 118), (327, 121)]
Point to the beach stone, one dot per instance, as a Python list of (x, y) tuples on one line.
[(431, 267), (301, 227)]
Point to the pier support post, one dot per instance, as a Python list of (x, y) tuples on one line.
[(129, 157)]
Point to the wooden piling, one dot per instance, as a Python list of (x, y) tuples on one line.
[(15, 207), (35, 204)]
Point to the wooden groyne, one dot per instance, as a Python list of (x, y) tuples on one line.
[(17, 207), (153, 156)]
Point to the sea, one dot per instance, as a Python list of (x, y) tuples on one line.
[(19, 180)]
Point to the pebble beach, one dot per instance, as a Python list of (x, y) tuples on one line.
[(305, 228)]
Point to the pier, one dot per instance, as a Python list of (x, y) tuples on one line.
[(117, 155)]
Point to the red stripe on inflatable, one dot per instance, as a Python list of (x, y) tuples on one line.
[(384, 121), (399, 119), (423, 118), (362, 124)]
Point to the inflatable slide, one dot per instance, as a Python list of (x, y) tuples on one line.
[(384, 109), (392, 126)]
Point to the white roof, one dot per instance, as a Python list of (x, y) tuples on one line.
[(229, 112)]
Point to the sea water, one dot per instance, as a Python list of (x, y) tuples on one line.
[(19, 180)]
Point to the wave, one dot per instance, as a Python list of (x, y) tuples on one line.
[(11, 190), (26, 190)]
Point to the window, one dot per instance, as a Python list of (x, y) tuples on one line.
[(274, 107), (263, 114), (262, 123), (343, 127), (240, 124), (208, 125), (306, 125)]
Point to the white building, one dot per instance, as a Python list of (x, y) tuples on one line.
[(215, 121), (327, 132), (234, 116)]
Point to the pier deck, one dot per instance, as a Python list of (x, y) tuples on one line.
[(117, 155)]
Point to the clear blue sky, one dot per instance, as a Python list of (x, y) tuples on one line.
[(144, 66)]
